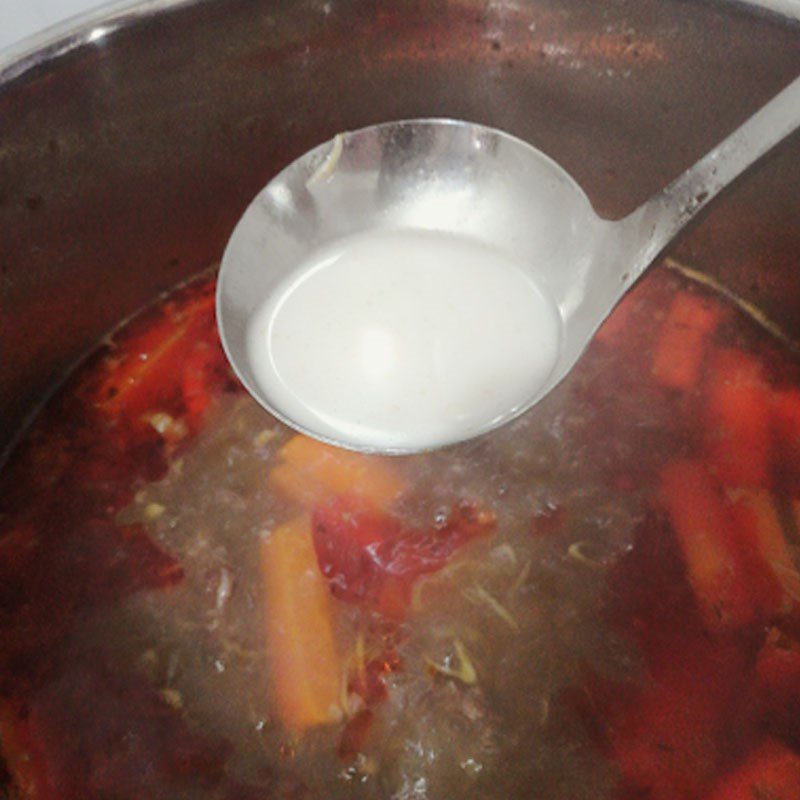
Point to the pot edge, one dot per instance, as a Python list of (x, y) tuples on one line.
[(93, 26)]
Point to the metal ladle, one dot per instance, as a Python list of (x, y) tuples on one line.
[(482, 184)]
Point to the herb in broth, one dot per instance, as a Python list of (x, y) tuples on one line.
[(598, 600)]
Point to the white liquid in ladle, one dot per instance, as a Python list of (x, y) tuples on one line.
[(404, 340), (401, 341)]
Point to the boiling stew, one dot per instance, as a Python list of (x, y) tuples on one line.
[(601, 599)]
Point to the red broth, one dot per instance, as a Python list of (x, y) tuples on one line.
[(601, 599)]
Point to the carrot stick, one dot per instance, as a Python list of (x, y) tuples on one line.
[(703, 531), (682, 341), (305, 671), (777, 587), (296, 485), (738, 420), (312, 471)]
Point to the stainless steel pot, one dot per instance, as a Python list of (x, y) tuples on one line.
[(129, 146)]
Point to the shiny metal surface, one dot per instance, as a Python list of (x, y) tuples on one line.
[(94, 25), (125, 162), (481, 185), (89, 28), (437, 175)]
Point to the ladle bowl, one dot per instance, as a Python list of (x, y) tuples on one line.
[(480, 184)]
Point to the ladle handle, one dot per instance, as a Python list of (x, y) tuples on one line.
[(658, 220)]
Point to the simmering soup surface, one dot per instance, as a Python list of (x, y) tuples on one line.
[(601, 599)]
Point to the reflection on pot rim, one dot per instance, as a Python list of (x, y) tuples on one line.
[(82, 29)]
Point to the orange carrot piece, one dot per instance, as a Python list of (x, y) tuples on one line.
[(738, 420), (313, 471), (305, 670), (681, 345), (777, 587), (296, 486), (702, 528), (770, 771)]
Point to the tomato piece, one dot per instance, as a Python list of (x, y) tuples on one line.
[(345, 538), (770, 771), (369, 557)]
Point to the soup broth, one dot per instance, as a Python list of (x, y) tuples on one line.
[(600, 599)]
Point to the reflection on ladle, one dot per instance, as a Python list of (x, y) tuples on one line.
[(418, 283)]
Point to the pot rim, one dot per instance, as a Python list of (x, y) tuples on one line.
[(92, 27), (89, 27)]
